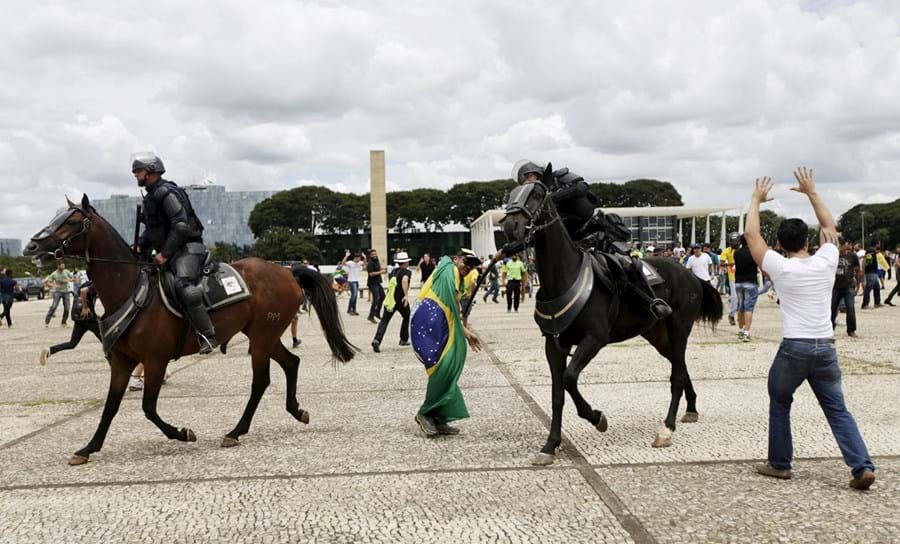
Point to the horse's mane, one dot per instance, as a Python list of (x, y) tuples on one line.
[(116, 235)]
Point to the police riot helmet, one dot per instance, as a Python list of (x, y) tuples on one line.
[(524, 167), (148, 161)]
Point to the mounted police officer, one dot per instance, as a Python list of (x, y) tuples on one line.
[(173, 230), (586, 224)]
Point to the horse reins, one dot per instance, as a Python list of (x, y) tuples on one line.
[(63, 245)]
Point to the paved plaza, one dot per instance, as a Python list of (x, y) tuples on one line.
[(361, 471)]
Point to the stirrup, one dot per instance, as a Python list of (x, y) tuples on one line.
[(660, 309), (206, 345)]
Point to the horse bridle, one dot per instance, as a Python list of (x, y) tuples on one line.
[(62, 244), (522, 195)]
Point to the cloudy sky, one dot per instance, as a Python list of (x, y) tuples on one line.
[(270, 95)]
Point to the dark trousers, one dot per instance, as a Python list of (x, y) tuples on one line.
[(845, 295), (872, 284), (513, 293), (893, 292), (7, 306), (377, 299), (401, 309), (798, 361), (78, 330)]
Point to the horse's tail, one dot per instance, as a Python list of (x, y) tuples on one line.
[(710, 304), (320, 294)]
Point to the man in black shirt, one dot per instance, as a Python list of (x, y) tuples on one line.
[(374, 271), (746, 288), (847, 275), (403, 276)]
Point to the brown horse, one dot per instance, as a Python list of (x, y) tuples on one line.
[(153, 336)]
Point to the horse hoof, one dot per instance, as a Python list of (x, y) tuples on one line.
[(189, 435), (543, 459), (76, 460), (690, 417), (663, 437), (602, 425), (304, 417), (229, 442)]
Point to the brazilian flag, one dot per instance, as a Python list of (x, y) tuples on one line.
[(436, 332)]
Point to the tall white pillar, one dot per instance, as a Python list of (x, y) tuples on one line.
[(693, 230), (741, 222), (722, 233), (706, 238)]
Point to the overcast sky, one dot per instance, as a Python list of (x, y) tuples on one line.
[(271, 95)]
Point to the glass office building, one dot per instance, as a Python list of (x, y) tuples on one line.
[(224, 213)]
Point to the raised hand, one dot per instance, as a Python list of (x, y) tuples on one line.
[(805, 182), (762, 187)]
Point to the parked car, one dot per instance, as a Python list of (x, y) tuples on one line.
[(30, 287)]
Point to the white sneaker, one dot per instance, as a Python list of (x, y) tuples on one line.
[(45, 354), (136, 383)]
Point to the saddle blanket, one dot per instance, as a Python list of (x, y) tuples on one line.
[(222, 287)]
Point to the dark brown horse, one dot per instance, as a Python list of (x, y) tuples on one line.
[(607, 317), (153, 336)]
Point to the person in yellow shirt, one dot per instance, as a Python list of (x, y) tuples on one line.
[(512, 279), (470, 280), (726, 260)]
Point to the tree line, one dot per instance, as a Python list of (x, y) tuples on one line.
[(283, 224)]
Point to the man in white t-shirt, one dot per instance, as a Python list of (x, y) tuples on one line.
[(678, 252), (807, 353), (700, 263), (353, 265)]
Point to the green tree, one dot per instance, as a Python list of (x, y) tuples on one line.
[(225, 252), (882, 223), (637, 192), (280, 244), (467, 201), (427, 206), (298, 209)]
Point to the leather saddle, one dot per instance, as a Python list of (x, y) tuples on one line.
[(222, 286)]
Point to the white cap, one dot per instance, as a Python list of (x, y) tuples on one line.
[(401, 257)]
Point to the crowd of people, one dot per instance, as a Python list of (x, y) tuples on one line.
[(859, 270)]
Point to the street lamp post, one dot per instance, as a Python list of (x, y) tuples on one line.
[(862, 215)]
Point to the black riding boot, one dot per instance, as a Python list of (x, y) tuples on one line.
[(658, 307), (192, 298)]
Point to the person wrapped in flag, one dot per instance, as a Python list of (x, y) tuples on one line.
[(440, 340)]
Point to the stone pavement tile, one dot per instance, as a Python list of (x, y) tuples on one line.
[(17, 420), (348, 432), (395, 368), (733, 421), (641, 362), (731, 503), (509, 506)]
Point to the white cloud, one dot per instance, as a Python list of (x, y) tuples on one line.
[(706, 94)]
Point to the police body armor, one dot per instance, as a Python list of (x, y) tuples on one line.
[(173, 230), (592, 229)]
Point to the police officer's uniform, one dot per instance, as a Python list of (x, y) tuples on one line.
[(577, 207), (174, 231)]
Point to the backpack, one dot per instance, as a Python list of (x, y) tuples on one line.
[(389, 299)]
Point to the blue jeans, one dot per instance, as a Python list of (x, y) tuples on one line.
[(493, 290), (57, 295), (747, 294), (354, 295), (844, 295), (872, 283), (816, 361)]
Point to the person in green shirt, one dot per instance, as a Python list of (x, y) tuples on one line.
[(512, 279), (60, 284)]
